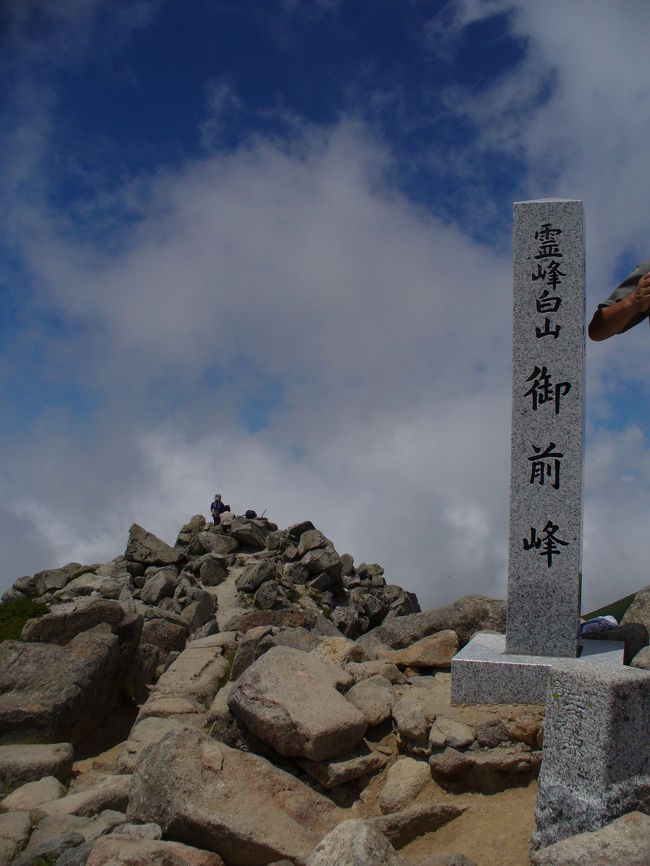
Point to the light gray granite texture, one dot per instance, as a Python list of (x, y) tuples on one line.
[(596, 761), (483, 673), (544, 562)]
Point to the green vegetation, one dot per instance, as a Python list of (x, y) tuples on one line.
[(14, 615), (614, 608)]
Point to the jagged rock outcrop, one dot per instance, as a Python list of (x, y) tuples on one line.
[(276, 684)]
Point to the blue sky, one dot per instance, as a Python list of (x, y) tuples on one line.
[(265, 248)]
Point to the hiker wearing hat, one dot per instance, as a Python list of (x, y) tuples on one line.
[(217, 508), (627, 306)]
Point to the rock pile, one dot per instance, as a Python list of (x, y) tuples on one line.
[(283, 706)]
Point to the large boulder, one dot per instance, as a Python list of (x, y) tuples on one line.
[(238, 805), (255, 574), (468, 615), (29, 763), (639, 610), (51, 694), (146, 548), (289, 699), (128, 850), (355, 843), (625, 841)]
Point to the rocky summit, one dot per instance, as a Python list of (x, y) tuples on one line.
[(249, 696)]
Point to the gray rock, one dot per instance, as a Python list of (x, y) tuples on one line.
[(109, 793), (289, 699), (325, 559), (413, 715), (373, 667), (146, 732), (195, 674), (249, 533), (52, 693), (213, 569), (267, 595), (375, 698), (29, 763), (15, 829), (625, 841), (49, 580), (312, 539), (402, 827), (433, 651), (216, 542), (115, 850), (355, 843), (247, 650), (244, 808), (51, 827), (292, 618), (161, 584), (466, 616), (639, 610), (65, 621), (487, 771), (447, 860), (75, 856), (146, 548), (255, 574), (404, 781), (53, 849), (142, 831), (167, 636), (449, 732), (642, 659), (331, 774), (32, 794), (298, 638)]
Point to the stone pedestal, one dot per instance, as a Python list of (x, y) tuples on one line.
[(596, 763)]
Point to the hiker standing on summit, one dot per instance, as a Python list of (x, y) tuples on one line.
[(217, 508), (627, 306)]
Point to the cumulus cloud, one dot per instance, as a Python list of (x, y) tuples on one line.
[(280, 323)]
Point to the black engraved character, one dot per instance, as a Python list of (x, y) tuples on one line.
[(548, 543), (552, 271), (546, 303), (545, 464), (542, 391), (548, 331), (548, 246)]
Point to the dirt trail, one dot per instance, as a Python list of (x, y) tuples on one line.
[(495, 830)]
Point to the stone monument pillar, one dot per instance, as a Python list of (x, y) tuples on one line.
[(548, 337), (545, 544)]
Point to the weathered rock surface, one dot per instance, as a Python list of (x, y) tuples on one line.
[(15, 828), (338, 771), (50, 693), (126, 850), (434, 651), (485, 770), (402, 827), (639, 610), (111, 793), (238, 805), (65, 621), (196, 673), (30, 762), (146, 548), (466, 616), (146, 732), (642, 659), (404, 781), (32, 794), (375, 698), (625, 841), (355, 843), (289, 699)]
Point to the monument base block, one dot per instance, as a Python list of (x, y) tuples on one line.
[(483, 673)]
